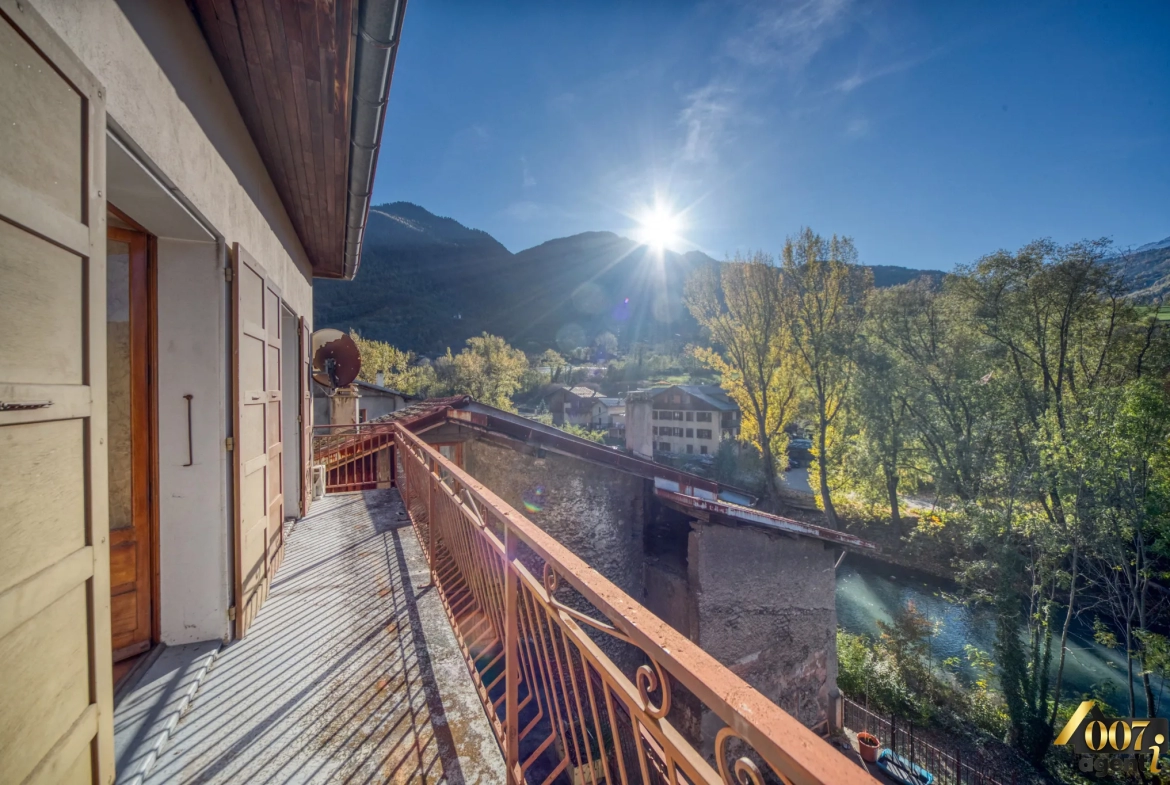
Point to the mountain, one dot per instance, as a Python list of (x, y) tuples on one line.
[(428, 282), (1146, 270)]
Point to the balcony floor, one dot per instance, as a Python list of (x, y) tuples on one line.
[(350, 673)]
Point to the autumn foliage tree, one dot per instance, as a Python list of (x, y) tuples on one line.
[(824, 290), (741, 305)]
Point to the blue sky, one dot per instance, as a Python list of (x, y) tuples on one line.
[(932, 133)]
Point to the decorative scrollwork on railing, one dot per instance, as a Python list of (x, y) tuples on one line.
[(647, 679), (551, 581), (746, 770), (653, 680)]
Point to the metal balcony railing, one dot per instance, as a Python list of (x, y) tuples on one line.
[(581, 683), (355, 457)]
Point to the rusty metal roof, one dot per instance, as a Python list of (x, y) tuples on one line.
[(754, 517)]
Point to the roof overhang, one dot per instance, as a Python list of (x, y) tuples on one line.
[(752, 517), (311, 82)]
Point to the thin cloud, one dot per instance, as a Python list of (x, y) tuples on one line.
[(862, 77), (787, 34), (705, 117)]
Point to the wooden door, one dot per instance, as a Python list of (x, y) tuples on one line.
[(306, 377), (129, 372), (56, 698), (259, 477)]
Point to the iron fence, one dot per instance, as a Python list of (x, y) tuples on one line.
[(582, 684), (948, 768)]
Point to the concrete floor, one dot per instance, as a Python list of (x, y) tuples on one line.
[(350, 674)]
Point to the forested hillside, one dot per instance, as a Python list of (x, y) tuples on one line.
[(428, 282)]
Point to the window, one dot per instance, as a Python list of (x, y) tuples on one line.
[(362, 415), (654, 416), (677, 398), (664, 446), (655, 430), (690, 416), (690, 433), (703, 433), (703, 416), (678, 432), (678, 415), (702, 449), (690, 449)]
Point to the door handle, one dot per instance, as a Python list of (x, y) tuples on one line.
[(20, 406)]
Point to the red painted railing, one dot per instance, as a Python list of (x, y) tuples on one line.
[(355, 457), (581, 684)]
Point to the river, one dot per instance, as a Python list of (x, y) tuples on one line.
[(869, 591)]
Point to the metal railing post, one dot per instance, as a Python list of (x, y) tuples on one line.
[(511, 666), (431, 482)]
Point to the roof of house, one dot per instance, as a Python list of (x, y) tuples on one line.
[(584, 392), (709, 393), (412, 415), (611, 403), (387, 390)]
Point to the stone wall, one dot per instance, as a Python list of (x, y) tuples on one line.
[(596, 512), (766, 607)]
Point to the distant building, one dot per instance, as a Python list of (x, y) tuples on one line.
[(572, 405), (685, 418), (360, 402), (609, 415)]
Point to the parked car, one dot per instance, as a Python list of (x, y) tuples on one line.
[(799, 453)]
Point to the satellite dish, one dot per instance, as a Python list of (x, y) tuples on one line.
[(336, 360)]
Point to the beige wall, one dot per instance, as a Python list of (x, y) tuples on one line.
[(185, 167), (165, 93)]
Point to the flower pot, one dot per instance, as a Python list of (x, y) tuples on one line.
[(870, 746)]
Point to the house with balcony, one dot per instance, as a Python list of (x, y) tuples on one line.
[(175, 605), (684, 419)]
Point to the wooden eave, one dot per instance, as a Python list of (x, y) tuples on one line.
[(289, 65)]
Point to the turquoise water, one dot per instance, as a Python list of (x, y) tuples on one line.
[(868, 592)]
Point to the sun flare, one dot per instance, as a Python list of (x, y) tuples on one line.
[(659, 227)]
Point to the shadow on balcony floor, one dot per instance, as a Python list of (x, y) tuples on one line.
[(350, 674)]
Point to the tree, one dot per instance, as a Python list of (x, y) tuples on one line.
[(489, 370), (400, 370), (946, 380), (1052, 314), (824, 292), (554, 362), (880, 429), (740, 304)]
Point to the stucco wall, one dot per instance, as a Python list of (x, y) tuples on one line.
[(167, 102), (766, 607), (164, 91)]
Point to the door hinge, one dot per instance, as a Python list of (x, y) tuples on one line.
[(229, 443), (232, 613), (227, 274)]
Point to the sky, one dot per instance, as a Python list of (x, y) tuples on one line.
[(931, 133)]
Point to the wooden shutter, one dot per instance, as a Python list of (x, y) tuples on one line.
[(259, 514), (306, 416), (56, 704)]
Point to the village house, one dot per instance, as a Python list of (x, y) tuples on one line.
[(685, 418), (355, 602), (609, 415), (356, 403), (572, 405)]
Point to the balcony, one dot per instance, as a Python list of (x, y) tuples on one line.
[(475, 648)]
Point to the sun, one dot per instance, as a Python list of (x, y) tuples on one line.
[(659, 227)]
